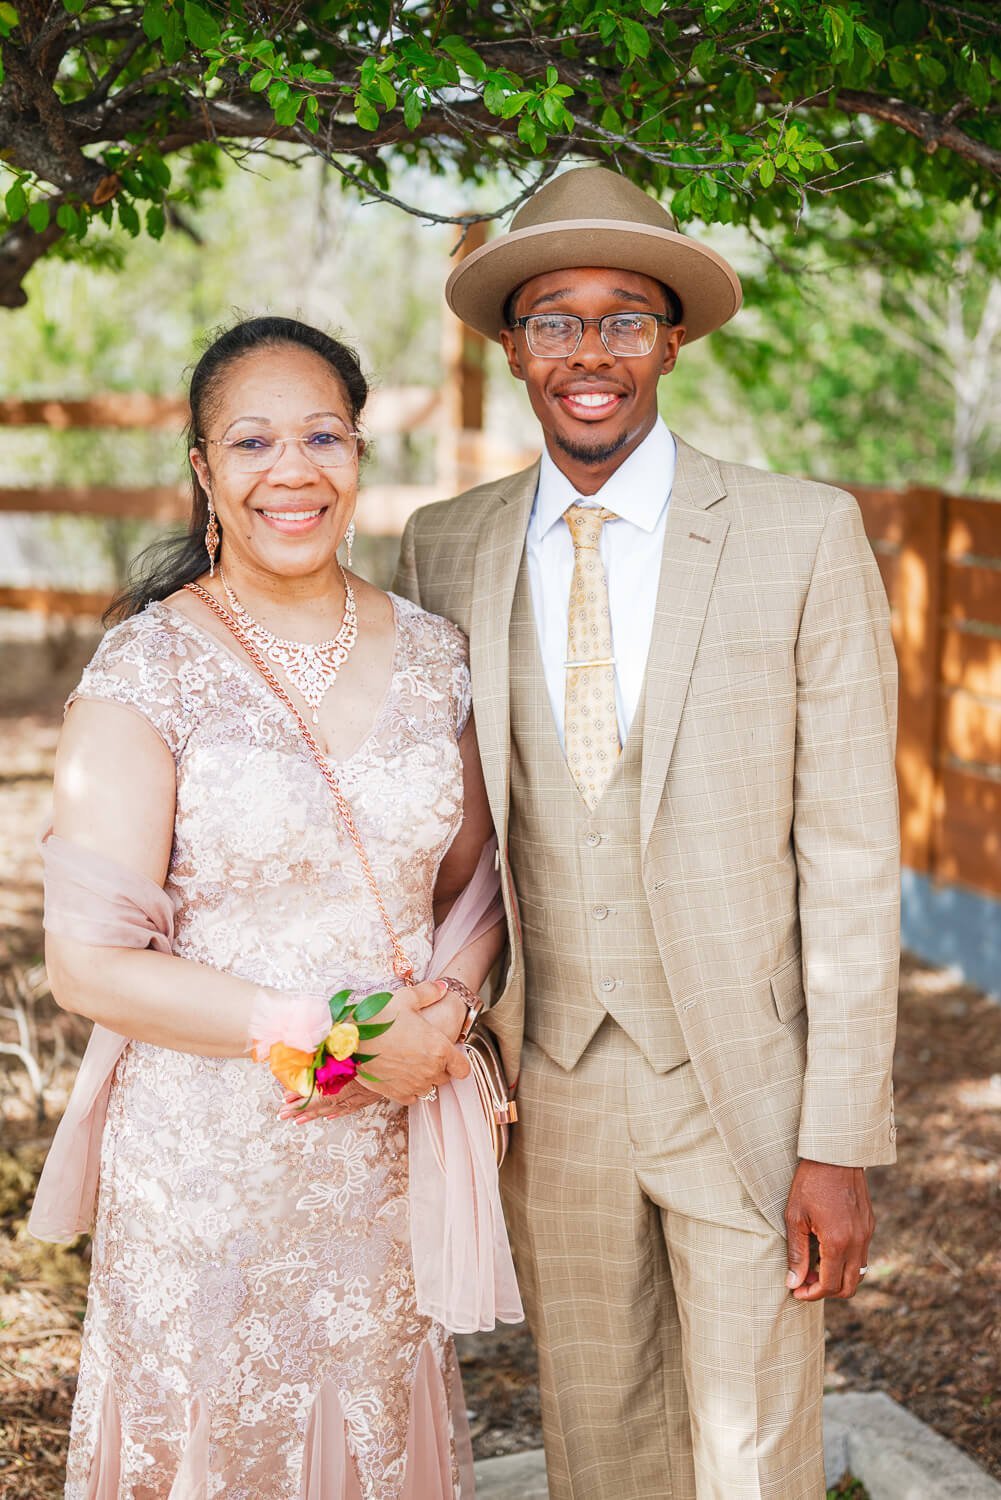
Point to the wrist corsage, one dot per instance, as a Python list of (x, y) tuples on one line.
[(337, 1059)]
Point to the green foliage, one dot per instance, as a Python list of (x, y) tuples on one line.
[(878, 377), (764, 115)]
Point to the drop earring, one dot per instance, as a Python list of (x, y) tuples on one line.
[(349, 538), (211, 537)]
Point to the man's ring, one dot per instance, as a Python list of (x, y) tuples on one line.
[(862, 1270), (431, 1094)]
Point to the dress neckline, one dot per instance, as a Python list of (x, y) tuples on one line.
[(245, 670)]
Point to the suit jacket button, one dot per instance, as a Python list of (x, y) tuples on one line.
[(599, 913), (608, 985), (592, 839)]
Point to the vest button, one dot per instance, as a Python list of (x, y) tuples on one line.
[(607, 985), (592, 839), (599, 913)]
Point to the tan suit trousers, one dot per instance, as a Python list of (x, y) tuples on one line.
[(674, 1364)]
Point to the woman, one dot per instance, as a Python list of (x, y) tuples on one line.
[(252, 1328)]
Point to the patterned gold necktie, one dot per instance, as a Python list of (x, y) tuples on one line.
[(591, 728)]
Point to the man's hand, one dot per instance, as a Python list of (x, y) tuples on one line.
[(831, 1205), (413, 1056)]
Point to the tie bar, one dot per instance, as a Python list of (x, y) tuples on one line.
[(601, 661)]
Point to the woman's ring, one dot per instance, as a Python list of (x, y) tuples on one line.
[(431, 1094), (862, 1270)]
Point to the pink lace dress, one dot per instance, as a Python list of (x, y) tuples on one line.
[(252, 1329)]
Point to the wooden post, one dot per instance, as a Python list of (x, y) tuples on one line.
[(918, 638), (464, 354)]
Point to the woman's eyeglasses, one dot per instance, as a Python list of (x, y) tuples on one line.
[(328, 448)]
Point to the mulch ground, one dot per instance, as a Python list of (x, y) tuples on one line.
[(924, 1327)]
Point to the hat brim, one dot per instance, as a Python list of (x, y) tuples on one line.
[(707, 285)]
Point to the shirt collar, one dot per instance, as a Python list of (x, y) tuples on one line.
[(637, 491)]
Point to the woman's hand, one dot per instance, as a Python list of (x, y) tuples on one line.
[(352, 1098), (413, 1056)]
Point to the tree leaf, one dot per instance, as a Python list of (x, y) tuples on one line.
[(462, 53), (260, 81), (16, 202), (156, 221), (366, 113), (635, 36), (766, 172), (39, 214), (412, 112), (201, 26), (128, 217)]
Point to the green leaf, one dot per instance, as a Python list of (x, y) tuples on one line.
[(156, 221), (366, 1009), (514, 104), (67, 218), (39, 215), (157, 167), (387, 91), (8, 19), (202, 28), (287, 110), (366, 113), (461, 52), (339, 1004), (635, 36), (871, 41), (931, 69), (260, 81), (128, 217), (175, 43), (978, 85), (745, 97), (368, 1077), (370, 1032), (652, 7), (703, 54), (74, 7), (766, 172), (901, 71), (16, 202), (413, 112)]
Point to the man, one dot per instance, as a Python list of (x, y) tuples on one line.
[(684, 690)]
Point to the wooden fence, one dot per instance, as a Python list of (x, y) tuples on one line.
[(940, 558)]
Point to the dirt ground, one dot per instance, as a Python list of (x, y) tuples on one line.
[(924, 1327)]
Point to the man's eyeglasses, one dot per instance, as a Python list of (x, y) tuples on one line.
[(558, 335), (328, 448)]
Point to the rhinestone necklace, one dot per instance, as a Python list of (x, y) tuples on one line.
[(312, 670)]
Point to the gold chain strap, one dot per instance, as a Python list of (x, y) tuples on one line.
[(402, 967)]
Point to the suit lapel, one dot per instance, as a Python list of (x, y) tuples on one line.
[(693, 543), (499, 550)]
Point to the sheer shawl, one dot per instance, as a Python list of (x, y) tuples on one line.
[(464, 1274)]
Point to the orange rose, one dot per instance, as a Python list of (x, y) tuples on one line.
[(291, 1067)]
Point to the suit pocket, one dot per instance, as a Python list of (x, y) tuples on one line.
[(723, 671), (787, 989)]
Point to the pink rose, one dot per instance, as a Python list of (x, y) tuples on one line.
[(332, 1075)]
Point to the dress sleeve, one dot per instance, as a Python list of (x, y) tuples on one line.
[(455, 648), (142, 664)]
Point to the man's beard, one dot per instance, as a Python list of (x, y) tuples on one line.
[(592, 455)]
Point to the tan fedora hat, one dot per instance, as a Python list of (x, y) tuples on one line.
[(590, 216)]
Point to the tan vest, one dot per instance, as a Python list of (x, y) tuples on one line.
[(590, 947)]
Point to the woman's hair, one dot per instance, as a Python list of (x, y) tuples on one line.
[(167, 565)]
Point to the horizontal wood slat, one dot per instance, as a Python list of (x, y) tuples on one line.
[(113, 409), (162, 502), (39, 601), (972, 594), (973, 527), (969, 832)]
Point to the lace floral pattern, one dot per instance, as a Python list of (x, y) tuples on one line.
[(239, 1260)]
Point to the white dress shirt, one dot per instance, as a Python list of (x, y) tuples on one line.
[(631, 547)]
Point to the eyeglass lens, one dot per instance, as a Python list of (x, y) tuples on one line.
[(327, 448), (555, 335)]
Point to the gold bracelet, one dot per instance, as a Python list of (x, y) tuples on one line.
[(474, 1006)]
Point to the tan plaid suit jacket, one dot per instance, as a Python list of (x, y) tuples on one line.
[(768, 809)]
